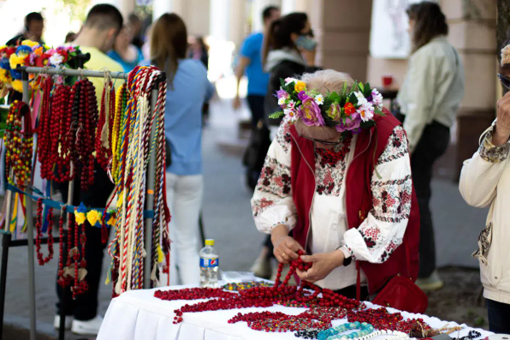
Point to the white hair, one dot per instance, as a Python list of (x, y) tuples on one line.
[(326, 81)]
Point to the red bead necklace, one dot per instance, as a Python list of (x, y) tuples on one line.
[(38, 225), (332, 157), (104, 127), (62, 279), (381, 319)]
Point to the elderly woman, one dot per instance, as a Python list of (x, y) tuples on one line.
[(484, 181), (338, 176)]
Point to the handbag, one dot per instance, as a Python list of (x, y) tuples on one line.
[(256, 152), (402, 293)]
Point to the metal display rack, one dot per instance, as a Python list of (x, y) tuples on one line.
[(7, 241)]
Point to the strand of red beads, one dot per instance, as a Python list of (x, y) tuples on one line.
[(381, 319), (62, 280), (43, 129), (38, 239)]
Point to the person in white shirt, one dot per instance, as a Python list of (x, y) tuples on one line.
[(429, 99), (484, 181)]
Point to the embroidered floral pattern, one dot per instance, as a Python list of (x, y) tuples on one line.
[(491, 153), (484, 243), (392, 199), (396, 147), (390, 249), (330, 169), (345, 248), (275, 178), (283, 137), (260, 205), (370, 236)]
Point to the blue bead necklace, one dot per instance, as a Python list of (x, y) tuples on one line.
[(336, 332)]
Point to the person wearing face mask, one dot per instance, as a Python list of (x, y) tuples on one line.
[(97, 36), (289, 51)]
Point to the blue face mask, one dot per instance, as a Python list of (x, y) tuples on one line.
[(305, 42)]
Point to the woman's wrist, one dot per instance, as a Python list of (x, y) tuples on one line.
[(278, 232), (338, 258), (499, 137)]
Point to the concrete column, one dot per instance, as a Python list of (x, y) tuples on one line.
[(219, 19), (343, 27), (196, 15), (473, 32), (160, 7)]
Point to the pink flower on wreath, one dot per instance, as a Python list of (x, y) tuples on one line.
[(366, 111), (281, 93), (352, 123), (310, 112)]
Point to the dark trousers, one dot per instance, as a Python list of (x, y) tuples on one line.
[(499, 317), (256, 105), (85, 306), (432, 145)]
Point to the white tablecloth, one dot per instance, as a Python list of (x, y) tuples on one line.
[(138, 315)]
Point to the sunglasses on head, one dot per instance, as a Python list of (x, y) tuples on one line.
[(505, 81)]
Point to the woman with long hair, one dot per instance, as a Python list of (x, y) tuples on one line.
[(188, 88), (429, 99)]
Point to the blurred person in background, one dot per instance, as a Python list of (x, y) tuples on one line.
[(199, 50), (124, 52), (429, 99), (484, 182), (188, 88), (135, 24), (289, 51), (33, 30), (250, 63), (70, 37), (96, 37)]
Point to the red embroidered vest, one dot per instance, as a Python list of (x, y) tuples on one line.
[(369, 146)]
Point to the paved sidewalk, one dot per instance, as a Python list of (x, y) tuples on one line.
[(227, 219)]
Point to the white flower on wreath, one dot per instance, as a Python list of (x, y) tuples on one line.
[(281, 101), (361, 98), (289, 80), (56, 59), (319, 99), (291, 113), (366, 111)]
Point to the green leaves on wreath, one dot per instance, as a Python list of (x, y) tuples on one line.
[(276, 115)]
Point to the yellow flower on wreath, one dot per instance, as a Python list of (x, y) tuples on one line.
[(4, 76), (15, 60), (300, 86)]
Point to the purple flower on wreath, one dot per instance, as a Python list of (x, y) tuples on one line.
[(303, 96), (310, 112), (352, 123), (281, 93)]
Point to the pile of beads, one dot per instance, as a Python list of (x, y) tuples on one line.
[(381, 319), (336, 332), (246, 285), (471, 335)]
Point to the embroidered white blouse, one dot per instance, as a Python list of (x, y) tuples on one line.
[(375, 239)]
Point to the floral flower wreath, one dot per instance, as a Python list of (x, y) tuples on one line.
[(348, 112), (31, 53)]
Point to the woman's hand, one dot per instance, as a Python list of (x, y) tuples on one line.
[(285, 247), (502, 132), (322, 265)]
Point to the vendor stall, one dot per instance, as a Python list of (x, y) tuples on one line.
[(137, 315)]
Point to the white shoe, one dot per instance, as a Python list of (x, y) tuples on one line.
[(87, 327), (68, 322)]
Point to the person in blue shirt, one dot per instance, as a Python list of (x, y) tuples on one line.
[(125, 53), (250, 63), (188, 88)]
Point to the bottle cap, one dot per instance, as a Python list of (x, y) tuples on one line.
[(209, 242)]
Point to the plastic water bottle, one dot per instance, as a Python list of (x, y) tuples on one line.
[(208, 265)]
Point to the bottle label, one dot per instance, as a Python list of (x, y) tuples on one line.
[(209, 262)]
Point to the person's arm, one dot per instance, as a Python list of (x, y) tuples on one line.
[(383, 229), (273, 209), (420, 95), (239, 71), (480, 175)]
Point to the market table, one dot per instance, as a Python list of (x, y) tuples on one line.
[(138, 315)]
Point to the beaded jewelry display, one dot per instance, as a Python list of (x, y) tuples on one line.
[(335, 332), (389, 335), (380, 318), (18, 140), (38, 226), (246, 285), (131, 148)]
